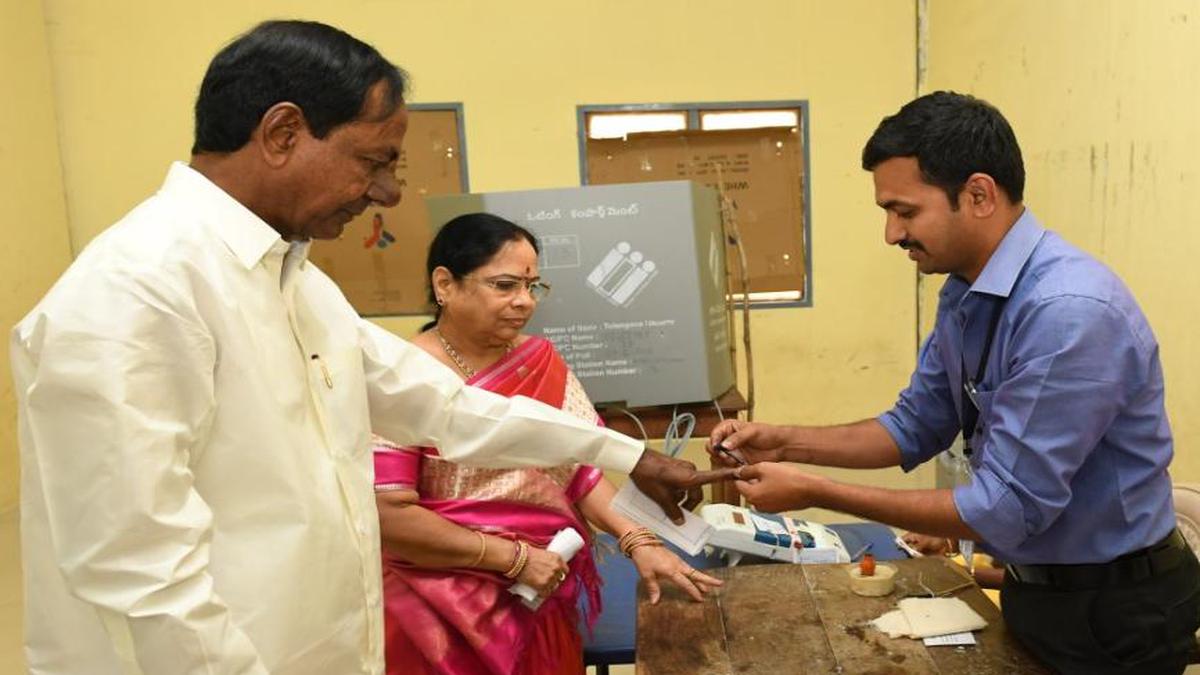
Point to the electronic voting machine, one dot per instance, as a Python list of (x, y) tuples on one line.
[(738, 531), (734, 531)]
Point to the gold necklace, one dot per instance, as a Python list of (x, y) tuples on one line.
[(453, 354), (456, 357)]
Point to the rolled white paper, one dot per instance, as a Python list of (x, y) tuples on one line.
[(566, 543)]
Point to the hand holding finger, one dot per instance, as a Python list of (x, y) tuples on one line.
[(721, 431), (777, 487)]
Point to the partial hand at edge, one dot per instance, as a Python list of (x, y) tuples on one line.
[(927, 544), (673, 483)]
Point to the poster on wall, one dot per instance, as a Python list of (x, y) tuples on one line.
[(761, 171), (379, 261)]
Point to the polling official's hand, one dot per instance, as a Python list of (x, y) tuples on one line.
[(777, 487), (673, 483), (752, 441)]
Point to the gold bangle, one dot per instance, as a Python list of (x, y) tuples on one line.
[(636, 539), (634, 533), (625, 545), (482, 550), (640, 537), (641, 544), (520, 558), (523, 562)]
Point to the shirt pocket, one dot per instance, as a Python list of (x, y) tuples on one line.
[(343, 391)]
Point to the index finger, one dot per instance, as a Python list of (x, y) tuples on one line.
[(711, 476)]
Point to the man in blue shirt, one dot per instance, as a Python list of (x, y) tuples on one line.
[(1043, 361)]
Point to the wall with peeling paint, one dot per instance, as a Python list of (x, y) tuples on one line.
[(126, 74), (1105, 99), (1103, 95), (35, 249)]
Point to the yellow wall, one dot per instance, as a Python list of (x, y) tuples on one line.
[(35, 248), (520, 69), (1102, 95), (1105, 98)]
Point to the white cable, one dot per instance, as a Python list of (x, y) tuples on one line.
[(673, 441), (645, 436)]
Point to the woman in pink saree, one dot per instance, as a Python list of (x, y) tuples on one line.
[(455, 537)]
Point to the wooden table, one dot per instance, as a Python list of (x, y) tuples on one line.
[(804, 619)]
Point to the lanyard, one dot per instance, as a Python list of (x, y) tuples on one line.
[(969, 412)]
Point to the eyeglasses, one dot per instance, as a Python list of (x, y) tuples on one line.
[(507, 287)]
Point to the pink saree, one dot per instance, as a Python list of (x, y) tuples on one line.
[(464, 621)]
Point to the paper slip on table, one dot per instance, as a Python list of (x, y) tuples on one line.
[(770, 619)]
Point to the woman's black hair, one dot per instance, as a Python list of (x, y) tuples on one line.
[(467, 243)]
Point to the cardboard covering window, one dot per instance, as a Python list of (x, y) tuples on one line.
[(379, 261), (763, 172)]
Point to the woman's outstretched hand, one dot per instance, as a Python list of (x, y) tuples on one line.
[(656, 564)]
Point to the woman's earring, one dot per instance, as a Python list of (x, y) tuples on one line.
[(440, 301)]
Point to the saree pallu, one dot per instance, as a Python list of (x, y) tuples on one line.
[(462, 621)]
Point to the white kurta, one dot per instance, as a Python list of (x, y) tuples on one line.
[(195, 404)]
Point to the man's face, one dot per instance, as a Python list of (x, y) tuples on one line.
[(336, 178), (919, 218)]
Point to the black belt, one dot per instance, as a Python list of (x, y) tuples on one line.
[(1130, 568)]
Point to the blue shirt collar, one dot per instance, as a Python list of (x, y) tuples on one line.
[(1000, 273)]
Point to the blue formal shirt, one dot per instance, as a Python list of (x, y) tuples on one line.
[(1072, 444)]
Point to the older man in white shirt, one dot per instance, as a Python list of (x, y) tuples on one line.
[(195, 398)]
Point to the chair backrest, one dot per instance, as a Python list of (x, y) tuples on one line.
[(1187, 516), (1187, 513)]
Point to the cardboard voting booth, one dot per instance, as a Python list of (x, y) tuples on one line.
[(639, 286)]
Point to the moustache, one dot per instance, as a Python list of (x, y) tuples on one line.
[(909, 244)]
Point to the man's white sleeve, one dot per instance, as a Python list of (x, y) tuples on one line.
[(415, 400), (113, 391)]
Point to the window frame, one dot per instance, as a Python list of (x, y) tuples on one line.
[(461, 120), (460, 116), (693, 111)]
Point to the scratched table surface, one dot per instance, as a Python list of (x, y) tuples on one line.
[(804, 619)]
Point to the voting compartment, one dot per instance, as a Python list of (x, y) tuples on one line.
[(637, 271)]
